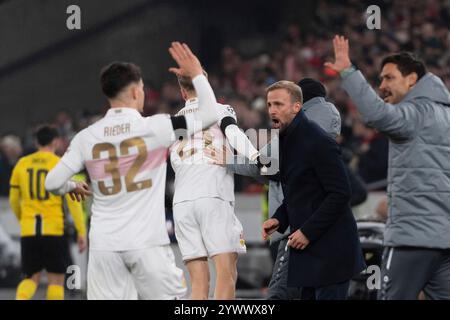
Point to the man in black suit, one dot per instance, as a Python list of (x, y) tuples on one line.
[(325, 252)]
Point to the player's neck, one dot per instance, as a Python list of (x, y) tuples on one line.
[(190, 98), (46, 149), (123, 103)]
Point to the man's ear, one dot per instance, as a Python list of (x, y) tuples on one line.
[(135, 91), (412, 79), (297, 107), (56, 143), (183, 94)]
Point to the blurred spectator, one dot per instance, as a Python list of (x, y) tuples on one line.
[(382, 209), (65, 126), (10, 152), (239, 79), (421, 27), (373, 153)]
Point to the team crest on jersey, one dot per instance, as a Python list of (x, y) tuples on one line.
[(231, 110), (242, 240)]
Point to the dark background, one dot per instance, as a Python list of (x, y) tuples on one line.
[(44, 67)]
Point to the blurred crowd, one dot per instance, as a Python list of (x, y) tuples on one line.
[(422, 27)]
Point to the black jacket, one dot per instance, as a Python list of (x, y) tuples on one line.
[(317, 195)]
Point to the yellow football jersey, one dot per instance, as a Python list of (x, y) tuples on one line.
[(39, 211)]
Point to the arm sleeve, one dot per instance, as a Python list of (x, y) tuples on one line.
[(399, 122), (241, 166), (163, 128), (281, 215), (76, 211), (14, 201), (240, 142), (207, 114), (73, 158), (235, 136), (57, 180), (14, 192), (167, 129), (332, 175)]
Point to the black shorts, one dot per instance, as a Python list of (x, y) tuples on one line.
[(50, 253)]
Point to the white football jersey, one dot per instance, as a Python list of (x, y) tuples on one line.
[(125, 156), (195, 175)]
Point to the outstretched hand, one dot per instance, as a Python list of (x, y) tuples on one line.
[(189, 65), (341, 54), (220, 156)]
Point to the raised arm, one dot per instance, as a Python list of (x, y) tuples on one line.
[(399, 121), (235, 136), (189, 66)]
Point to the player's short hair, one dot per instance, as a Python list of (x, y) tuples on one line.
[(45, 135), (294, 90), (186, 82), (406, 63), (118, 75)]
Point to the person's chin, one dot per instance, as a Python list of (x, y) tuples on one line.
[(281, 128)]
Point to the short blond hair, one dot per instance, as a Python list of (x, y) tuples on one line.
[(293, 89), (186, 82)]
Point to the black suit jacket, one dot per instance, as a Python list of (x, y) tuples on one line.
[(317, 194)]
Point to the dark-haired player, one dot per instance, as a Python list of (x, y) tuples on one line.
[(41, 218)]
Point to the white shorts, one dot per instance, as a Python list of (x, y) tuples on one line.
[(206, 227), (128, 275)]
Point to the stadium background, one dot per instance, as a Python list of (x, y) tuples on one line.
[(49, 74)]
